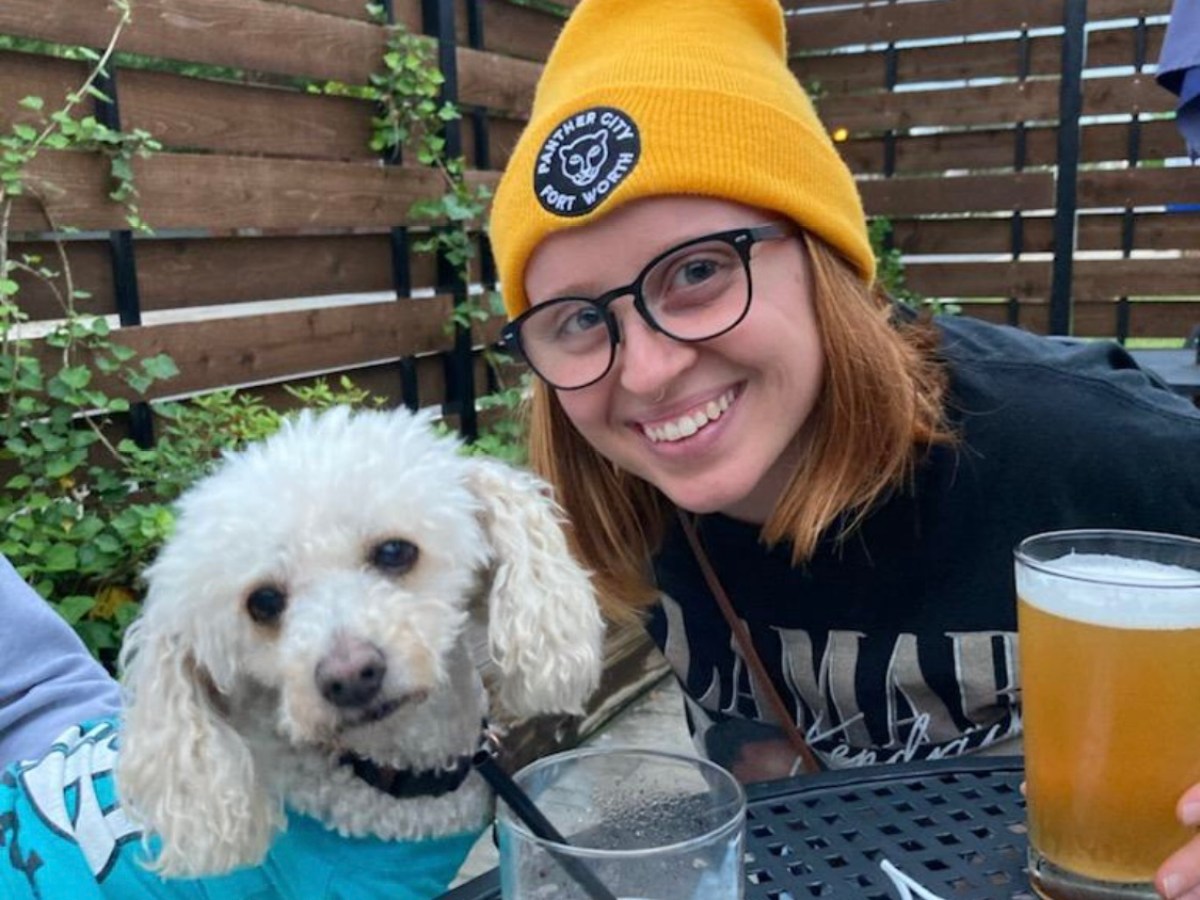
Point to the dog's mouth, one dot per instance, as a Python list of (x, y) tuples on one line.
[(377, 712)]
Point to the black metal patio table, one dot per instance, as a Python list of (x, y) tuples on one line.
[(955, 826)]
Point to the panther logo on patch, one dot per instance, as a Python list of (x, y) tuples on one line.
[(587, 155)]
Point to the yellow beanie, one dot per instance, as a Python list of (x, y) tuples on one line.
[(651, 97)]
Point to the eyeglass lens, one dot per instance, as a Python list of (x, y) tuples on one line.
[(695, 293)]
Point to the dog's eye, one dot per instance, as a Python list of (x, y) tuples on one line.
[(266, 604), (395, 556)]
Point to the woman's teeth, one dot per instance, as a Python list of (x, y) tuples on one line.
[(691, 422)]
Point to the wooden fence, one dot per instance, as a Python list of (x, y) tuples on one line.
[(283, 244), (1023, 153)]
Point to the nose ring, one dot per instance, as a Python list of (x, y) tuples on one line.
[(658, 398)]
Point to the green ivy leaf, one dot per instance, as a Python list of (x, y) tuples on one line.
[(77, 377), (160, 367), (60, 468), (60, 558), (75, 607)]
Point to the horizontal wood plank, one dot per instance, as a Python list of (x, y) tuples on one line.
[(955, 107), (33, 75), (346, 9), (843, 73), (953, 280), (1146, 319), (898, 22), (1092, 279), (1148, 231), (90, 266), (1024, 101), (181, 273), (1001, 148), (968, 193), (191, 191), (1109, 279), (945, 18), (1095, 319), (255, 35), (193, 114), (499, 83), (382, 381), (1138, 187), (259, 36), (266, 348)]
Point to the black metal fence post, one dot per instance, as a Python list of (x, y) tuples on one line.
[(483, 162), (1066, 195), (438, 18), (121, 254)]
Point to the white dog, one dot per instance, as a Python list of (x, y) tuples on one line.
[(300, 696)]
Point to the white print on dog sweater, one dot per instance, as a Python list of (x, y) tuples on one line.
[(64, 836)]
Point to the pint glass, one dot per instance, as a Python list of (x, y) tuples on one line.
[(1109, 626), (643, 824)]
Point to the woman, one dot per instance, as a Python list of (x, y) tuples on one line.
[(686, 265)]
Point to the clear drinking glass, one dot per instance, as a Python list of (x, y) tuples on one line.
[(648, 825), (1109, 626)]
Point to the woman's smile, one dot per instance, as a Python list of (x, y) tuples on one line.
[(680, 427)]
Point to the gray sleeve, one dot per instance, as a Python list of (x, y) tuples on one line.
[(1181, 45), (48, 680), (1179, 70)]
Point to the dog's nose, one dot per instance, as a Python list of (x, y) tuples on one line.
[(351, 674)]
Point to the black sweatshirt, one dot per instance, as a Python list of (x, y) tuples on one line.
[(900, 642)]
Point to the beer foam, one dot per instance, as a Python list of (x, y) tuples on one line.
[(1113, 591)]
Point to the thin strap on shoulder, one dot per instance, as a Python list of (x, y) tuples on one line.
[(741, 634)]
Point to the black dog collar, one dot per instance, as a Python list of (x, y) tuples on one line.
[(427, 782), (409, 782)]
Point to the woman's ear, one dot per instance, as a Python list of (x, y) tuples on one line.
[(545, 632)]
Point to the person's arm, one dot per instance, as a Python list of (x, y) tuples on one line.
[(1179, 69), (48, 680)]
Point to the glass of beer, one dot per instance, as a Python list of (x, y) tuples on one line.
[(639, 825), (1109, 626)]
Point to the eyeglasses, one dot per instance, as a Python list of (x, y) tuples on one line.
[(693, 292)]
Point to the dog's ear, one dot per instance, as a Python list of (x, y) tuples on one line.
[(183, 772), (545, 632)]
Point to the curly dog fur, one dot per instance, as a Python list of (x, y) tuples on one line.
[(311, 602)]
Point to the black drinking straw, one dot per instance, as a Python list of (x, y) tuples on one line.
[(519, 802)]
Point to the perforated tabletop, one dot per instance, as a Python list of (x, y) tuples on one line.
[(955, 826)]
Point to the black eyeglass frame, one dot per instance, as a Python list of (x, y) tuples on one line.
[(741, 239)]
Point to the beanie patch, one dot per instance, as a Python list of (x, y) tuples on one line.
[(585, 156)]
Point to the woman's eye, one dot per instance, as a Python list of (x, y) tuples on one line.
[(695, 272), (266, 604), (395, 556), (584, 319)]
